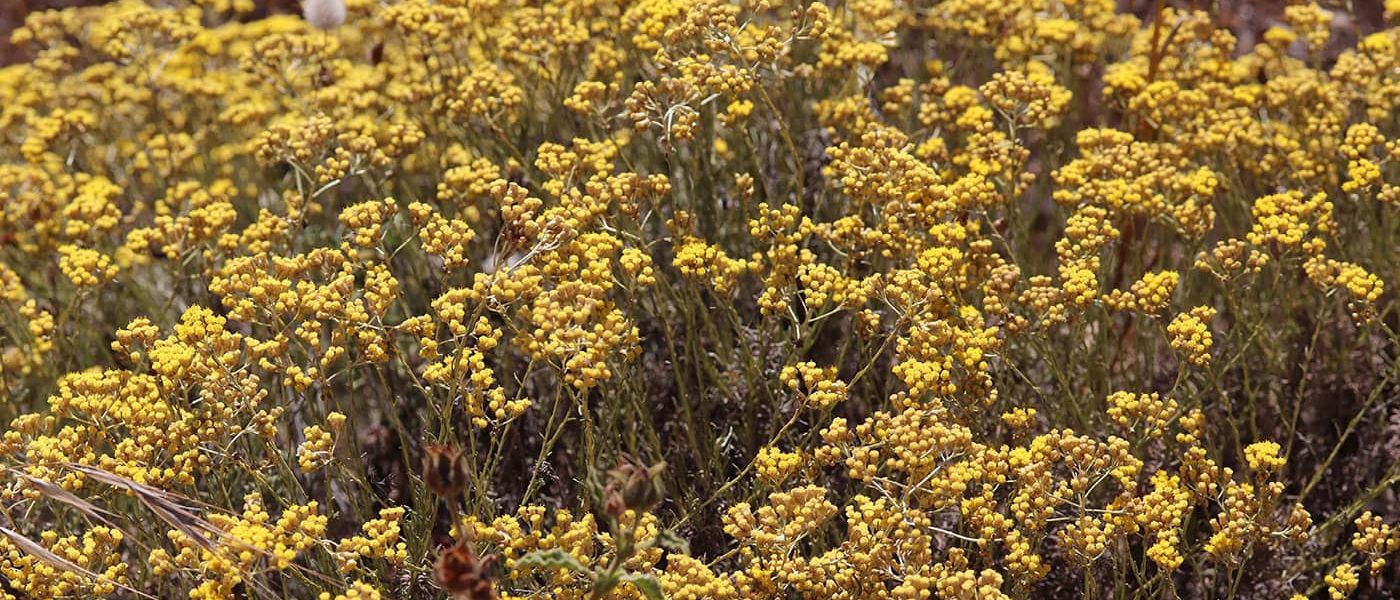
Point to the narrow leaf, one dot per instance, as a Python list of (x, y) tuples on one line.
[(56, 493)]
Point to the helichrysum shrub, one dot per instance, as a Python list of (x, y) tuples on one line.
[(699, 299)]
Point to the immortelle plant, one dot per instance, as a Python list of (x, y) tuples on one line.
[(698, 299)]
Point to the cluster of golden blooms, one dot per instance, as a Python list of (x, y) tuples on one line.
[(1190, 335), (379, 539), (1150, 294), (1375, 538), (246, 544), (318, 448), (774, 466), (960, 300), (1148, 411), (96, 553), (818, 386), (85, 267), (1342, 581)]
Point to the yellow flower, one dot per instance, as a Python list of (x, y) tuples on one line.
[(85, 267)]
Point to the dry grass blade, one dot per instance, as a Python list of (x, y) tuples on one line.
[(58, 494), (164, 504), (38, 551), (191, 525), (170, 508), (174, 510)]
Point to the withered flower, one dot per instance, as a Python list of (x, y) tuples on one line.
[(613, 504), (445, 470), (463, 575), (638, 485)]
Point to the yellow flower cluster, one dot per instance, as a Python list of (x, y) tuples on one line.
[(1146, 411), (243, 545), (1190, 335), (319, 446), (1150, 294), (379, 539), (84, 267), (1375, 538), (818, 386), (94, 552)]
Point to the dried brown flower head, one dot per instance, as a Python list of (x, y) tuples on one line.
[(638, 486), (463, 574), (444, 470)]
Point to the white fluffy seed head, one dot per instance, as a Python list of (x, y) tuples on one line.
[(323, 14)]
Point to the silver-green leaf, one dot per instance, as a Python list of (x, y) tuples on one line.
[(648, 585), (552, 559)]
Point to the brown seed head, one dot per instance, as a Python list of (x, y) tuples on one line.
[(463, 575), (640, 485), (444, 470)]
